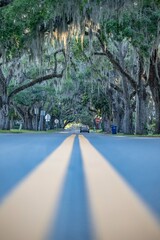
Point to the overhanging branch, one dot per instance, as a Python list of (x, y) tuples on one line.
[(115, 63), (32, 83), (2, 79)]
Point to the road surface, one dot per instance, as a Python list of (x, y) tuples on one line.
[(71, 186)]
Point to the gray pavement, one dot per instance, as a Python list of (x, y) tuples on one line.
[(21, 153), (136, 160)]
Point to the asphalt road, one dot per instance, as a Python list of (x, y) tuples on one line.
[(71, 186)]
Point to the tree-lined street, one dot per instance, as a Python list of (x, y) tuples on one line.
[(80, 60), (79, 120)]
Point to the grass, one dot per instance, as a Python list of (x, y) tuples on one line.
[(96, 130), (28, 131), (126, 135), (137, 135), (91, 130), (147, 135)]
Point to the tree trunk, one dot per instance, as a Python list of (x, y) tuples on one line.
[(4, 113), (29, 124), (154, 84), (127, 120), (141, 101), (117, 113), (106, 123), (28, 121), (141, 118), (157, 110), (4, 118), (4, 103), (35, 122)]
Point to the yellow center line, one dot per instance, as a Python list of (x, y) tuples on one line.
[(117, 212), (26, 213)]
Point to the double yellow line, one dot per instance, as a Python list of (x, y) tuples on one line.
[(117, 213), (28, 210)]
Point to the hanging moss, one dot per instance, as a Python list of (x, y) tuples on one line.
[(28, 21)]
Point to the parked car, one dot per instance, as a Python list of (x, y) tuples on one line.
[(84, 129)]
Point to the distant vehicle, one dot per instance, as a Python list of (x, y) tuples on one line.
[(84, 129)]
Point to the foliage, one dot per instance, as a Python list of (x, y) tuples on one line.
[(139, 26), (31, 31)]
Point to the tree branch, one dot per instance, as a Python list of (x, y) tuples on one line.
[(9, 77), (133, 94), (32, 83), (115, 87), (115, 62), (18, 110), (2, 78), (100, 53)]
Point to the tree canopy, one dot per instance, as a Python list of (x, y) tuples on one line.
[(101, 57)]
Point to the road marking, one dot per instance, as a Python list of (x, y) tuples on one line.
[(117, 212), (27, 211)]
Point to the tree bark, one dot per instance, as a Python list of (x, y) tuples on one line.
[(141, 98), (106, 124), (4, 108), (127, 119), (157, 111), (154, 84), (4, 117)]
